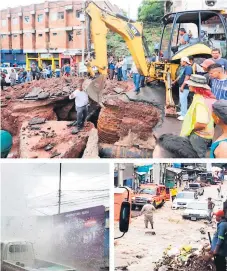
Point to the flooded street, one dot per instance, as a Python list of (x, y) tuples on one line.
[(139, 249)]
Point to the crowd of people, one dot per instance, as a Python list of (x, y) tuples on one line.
[(204, 127), (21, 75), (119, 70)]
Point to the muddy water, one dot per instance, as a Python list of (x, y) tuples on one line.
[(138, 250)]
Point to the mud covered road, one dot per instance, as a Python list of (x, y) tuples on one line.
[(138, 249)]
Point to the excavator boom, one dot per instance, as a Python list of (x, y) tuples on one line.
[(132, 32)]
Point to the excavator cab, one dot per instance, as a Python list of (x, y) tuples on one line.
[(193, 33)]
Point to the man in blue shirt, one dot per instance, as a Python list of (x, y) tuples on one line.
[(184, 37), (219, 242), (185, 74), (218, 81), (216, 57)]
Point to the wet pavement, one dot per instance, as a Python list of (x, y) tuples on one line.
[(138, 250)]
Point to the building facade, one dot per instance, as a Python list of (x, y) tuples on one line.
[(41, 33), (50, 33)]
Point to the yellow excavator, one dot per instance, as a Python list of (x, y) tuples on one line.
[(169, 53)]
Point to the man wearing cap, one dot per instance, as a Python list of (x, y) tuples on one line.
[(219, 242), (148, 210), (198, 123), (183, 77), (205, 65)]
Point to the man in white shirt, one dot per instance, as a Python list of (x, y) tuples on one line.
[(136, 78), (81, 102)]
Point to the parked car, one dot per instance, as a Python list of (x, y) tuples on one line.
[(155, 193), (183, 198), (196, 210), (197, 188)]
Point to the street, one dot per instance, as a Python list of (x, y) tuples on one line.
[(139, 249)]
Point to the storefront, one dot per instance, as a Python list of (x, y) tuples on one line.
[(70, 57), (13, 57), (42, 60)]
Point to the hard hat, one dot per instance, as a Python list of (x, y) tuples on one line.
[(220, 213)]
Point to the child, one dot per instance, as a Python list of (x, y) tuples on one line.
[(58, 71), (219, 147)]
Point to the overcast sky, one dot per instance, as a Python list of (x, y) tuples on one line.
[(124, 4), (32, 189)]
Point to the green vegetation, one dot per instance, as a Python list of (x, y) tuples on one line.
[(150, 13)]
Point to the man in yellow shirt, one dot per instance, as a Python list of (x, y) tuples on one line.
[(173, 192), (198, 124)]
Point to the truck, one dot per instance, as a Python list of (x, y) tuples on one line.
[(150, 192), (197, 188), (20, 256)]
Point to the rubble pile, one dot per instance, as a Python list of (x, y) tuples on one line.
[(123, 127), (38, 98), (113, 87), (52, 139), (118, 119), (184, 259)]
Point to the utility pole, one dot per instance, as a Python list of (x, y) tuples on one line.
[(83, 31), (121, 169), (59, 192)]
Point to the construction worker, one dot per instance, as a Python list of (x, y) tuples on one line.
[(219, 242), (148, 210)]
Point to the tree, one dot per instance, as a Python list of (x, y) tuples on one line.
[(151, 11)]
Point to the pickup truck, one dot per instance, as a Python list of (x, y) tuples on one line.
[(156, 194), (20, 256), (197, 188)]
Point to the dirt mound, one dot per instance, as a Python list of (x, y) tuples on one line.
[(118, 119)]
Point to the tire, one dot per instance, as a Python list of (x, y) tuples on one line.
[(162, 204), (155, 205), (133, 207)]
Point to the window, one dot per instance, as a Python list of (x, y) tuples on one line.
[(26, 19), (53, 16), (3, 22), (54, 34), (60, 16), (40, 18), (70, 36), (3, 36), (18, 248), (40, 35), (78, 14), (15, 20)]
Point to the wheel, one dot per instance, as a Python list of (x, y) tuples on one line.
[(133, 207), (154, 204), (163, 202)]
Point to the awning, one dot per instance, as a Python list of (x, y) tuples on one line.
[(141, 173)]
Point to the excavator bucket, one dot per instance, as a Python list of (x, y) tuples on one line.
[(95, 88)]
